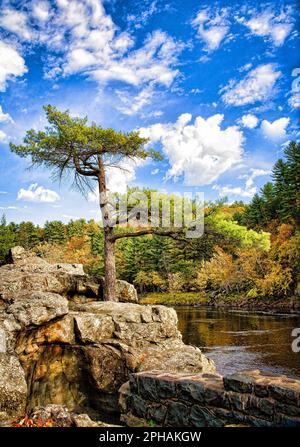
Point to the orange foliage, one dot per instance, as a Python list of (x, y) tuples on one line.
[(29, 422)]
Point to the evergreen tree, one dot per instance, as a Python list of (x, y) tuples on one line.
[(7, 239), (55, 232)]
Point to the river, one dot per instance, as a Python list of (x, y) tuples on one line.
[(238, 340)]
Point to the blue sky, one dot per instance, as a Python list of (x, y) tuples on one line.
[(210, 83)]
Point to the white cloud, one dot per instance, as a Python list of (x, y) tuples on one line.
[(118, 178), (248, 190), (41, 11), (201, 151), (212, 27), (294, 100), (5, 117), (2, 136), (228, 190), (133, 105), (15, 22), (37, 193), (82, 38), (11, 64), (245, 67), (276, 129), (151, 63), (250, 121), (154, 171), (270, 25), (258, 85)]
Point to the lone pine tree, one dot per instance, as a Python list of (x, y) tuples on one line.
[(72, 146)]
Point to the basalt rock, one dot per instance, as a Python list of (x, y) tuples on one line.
[(61, 346)]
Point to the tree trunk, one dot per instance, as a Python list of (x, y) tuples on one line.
[(110, 267), (109, 244)]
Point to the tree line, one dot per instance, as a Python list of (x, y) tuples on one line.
[(266, 231), (252, 249)]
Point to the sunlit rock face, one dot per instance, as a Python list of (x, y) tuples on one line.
[(62, 345)]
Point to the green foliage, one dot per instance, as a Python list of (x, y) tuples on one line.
[(281, 199), (55, 232), (239, 234), (72, 146), (7, 239)]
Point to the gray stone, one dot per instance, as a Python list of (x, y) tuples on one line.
[(13, 388), (157, 412), (166, 386), (204, 417), (38, 308), (126, 292), (177, 414), (287, 393), (59, 414), (139, 406), (190, 390), (93, 328), (147, 387), (238, 402), (240, 382)]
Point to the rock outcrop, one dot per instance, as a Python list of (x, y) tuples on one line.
[(61, 345), (29, 273)]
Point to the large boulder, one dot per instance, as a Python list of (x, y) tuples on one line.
[(61, 345), (126, 292), (13, 388), (28, 272), (38, 308)]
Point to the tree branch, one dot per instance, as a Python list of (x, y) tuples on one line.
[(174, 234), (84, 172)]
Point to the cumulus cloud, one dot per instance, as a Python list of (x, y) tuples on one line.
[(250, 121), (212, 27), (248, 190), (270, 25), (15, 22), (119, 177), (41, 11), (276, 129), (82, 38), (11, 64), (5, 117), (36, 193), (200, 151), (152, 63), (258, 85)]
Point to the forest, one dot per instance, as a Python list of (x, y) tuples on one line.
[(248, 249)]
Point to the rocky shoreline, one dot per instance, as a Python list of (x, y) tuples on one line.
[(61, 345), (287, 305), (67, 358)]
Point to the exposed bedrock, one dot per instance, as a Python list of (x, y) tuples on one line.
[(61, 345)]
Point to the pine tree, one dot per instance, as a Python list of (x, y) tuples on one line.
[(55, 232), (7, 239)]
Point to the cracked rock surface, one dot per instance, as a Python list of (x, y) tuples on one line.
[(61, 345)]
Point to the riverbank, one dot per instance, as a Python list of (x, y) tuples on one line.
[(234, 301)]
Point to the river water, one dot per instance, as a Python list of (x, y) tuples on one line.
[(238, 340)]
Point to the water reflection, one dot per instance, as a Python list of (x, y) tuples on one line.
[(238, 340)]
